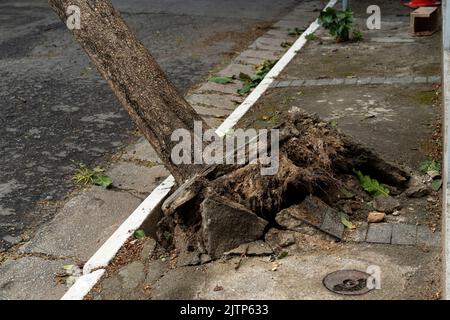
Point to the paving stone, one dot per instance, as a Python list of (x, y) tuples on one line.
[(332, 224), (155, 270), (357, 235), (280, 238), (289, 24), (389, 80), (323, 82), (84, 223), (386, 204), (229, 88), (274, 84), (279, 34), (148, 249), (188, 258), (404, 234), (336, 81), (428, 238), (258, 45), (402, 80), (211, 111), (235, 69), (313, 212), (213, 122), (132, 275), (111, 288), (350, 81), (224, 101), (297, 83), (261, 54), (379, 233), (249, 60), (226, 225), (141, 150), (270, 41), (31, 278), (142, 179), (363, 81), (310, 82), (284, 83), (377, 80), (259, 248), (434, 79), (420, 79)]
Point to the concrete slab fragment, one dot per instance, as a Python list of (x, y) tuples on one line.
[(142, 151), (31, 278), (357, 235), (379, 233), (142, 179), (428, 238), (83, 224), (223, 101), (404, 234)]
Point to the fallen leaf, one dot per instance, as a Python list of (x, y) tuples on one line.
[(139, 234)]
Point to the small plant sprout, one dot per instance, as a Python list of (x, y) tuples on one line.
[(339, 23), (85, 176), (251, 82)]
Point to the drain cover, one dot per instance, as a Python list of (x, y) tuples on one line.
[(347, 282)]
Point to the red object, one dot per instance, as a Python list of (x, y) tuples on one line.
[(422, 3)]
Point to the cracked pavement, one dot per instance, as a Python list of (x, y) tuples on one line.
[(55, 108)]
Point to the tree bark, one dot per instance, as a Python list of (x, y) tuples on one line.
[(137, 81)]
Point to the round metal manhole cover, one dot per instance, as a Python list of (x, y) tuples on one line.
[(347, 282)]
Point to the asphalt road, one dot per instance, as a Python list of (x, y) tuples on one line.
[(55, 109)]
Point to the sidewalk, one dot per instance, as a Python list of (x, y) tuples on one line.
[(90, 217), (381, 91)]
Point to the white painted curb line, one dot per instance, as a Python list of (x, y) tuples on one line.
[(237, 114), (83, 285), (110, 248)]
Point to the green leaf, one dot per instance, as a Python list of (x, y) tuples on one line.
[(436, 184), (102, 180), (245, 77), (371, 186), (333, 123), (139, 234), (221, 80), (245, 89), (346, 222), (283, 255), (430, 165)]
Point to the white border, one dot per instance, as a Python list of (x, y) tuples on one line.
[(110, 248), (446, 170)]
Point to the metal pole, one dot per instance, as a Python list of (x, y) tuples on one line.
[(344, 5)]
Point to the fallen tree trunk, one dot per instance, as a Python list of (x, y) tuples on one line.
[(135, 78), (221, 207)]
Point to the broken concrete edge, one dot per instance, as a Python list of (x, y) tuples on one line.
[(109, 249), (83, 285), (446, 189), (94, 267)]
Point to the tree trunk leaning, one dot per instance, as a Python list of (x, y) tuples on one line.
[(152, 101)]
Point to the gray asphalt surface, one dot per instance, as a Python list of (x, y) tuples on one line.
[(55, 109)]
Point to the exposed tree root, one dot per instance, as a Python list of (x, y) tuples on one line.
[(314, 158)]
